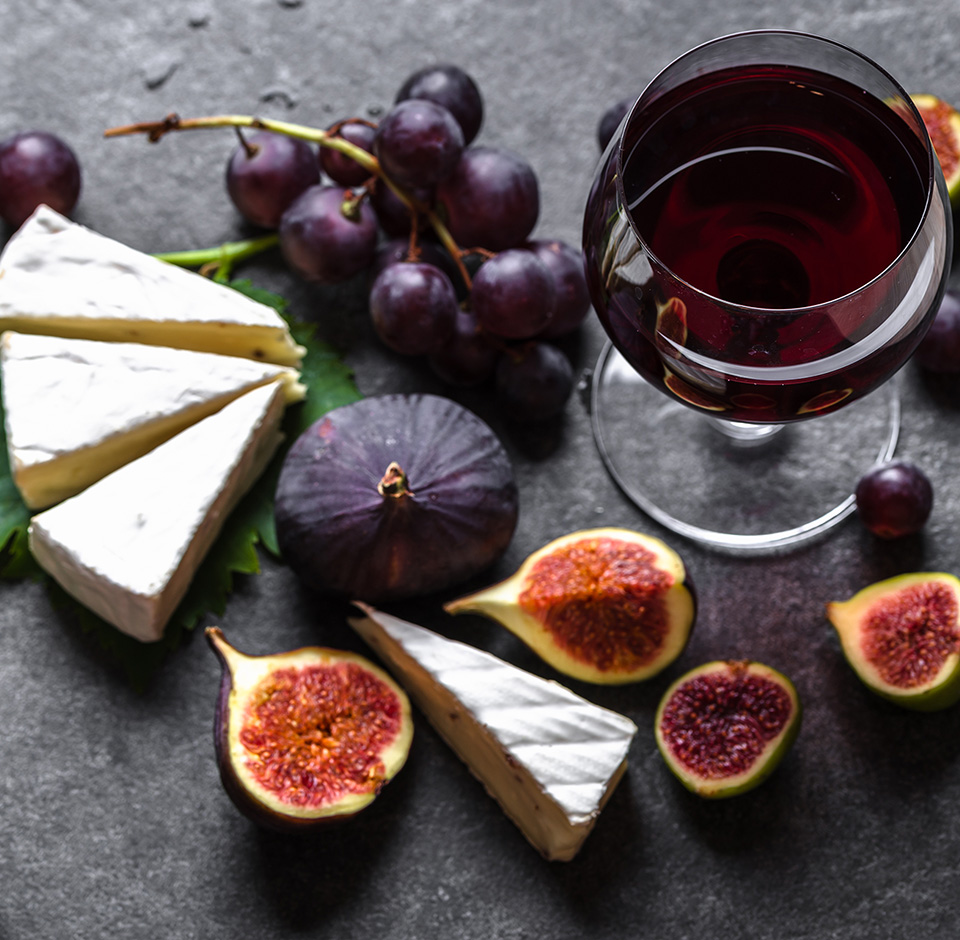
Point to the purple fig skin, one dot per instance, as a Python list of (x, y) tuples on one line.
[(451, 517), (242, 797)]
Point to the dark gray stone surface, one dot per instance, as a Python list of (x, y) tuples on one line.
[(112, 819)]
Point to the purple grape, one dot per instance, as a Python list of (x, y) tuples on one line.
[(321, 242), (413, 307), (610, 121), (491, 200), (533, 381), (514, 295), (338, 166), (894, 499), (266, 173), (939, 350), (467, 358), (452, 88), (418, 143), (565, 263), (36, 168)]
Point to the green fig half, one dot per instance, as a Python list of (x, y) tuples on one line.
[(603, 605), (306, 736), (723, 727), (902, 638)]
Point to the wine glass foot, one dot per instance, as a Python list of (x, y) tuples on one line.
[(756, 494)]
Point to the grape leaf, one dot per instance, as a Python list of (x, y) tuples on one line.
[(329, 384)]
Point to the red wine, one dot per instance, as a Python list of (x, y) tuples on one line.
[(764, 197)]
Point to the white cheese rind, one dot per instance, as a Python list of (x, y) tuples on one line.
[(128, 546), (75, 410), (60, 278), (549, 757)]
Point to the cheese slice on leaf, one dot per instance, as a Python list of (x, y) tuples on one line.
[(62, 279), (76, 410), (127, 547), (550, 758)]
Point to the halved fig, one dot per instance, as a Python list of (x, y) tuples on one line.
[(942, 121), (723, 727), (394, 496), (306, 736), (602, 605), (902, 638)]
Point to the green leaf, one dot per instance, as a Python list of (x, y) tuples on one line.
[(329, 384), (15, 558)]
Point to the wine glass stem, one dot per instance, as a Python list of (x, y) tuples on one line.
[(742, 433)]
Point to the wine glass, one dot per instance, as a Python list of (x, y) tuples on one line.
[(767, 239)]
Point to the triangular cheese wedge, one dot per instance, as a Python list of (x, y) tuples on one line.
[(62, 279), (550, 758), (76, 410), (128, 546)]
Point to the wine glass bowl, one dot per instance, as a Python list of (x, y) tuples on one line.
[(766, 240)]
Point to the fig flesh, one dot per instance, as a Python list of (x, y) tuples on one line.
[(604, 605), (902, 638), (943, 125), (395, 496), (306, 736), (723, 727)]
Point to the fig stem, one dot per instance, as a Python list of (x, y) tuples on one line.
[(394, 482), (154, 130)]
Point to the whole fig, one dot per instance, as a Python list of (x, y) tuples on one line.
[(395, 496)]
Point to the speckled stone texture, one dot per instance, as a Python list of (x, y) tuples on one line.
[(113, 823)]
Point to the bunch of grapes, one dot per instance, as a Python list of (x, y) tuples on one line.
[(442, 225)]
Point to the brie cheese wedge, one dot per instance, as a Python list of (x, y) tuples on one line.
[(550, 758), (128, 546), (62, 279), (75, 409)]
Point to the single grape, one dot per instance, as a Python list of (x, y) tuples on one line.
[(327, 235), (467, 358), (266, 172), (452, 88), (338, 166), (37, 168), (418, 143), (939, 350), (533, 381), (894, 499), (491, 199), (413, 307), (514, 295), (610, 120), (565, 263)]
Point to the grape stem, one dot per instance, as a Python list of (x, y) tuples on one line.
[(220, 260), (154, 130)]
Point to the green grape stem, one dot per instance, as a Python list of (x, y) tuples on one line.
[(220, 260), (154, 130)]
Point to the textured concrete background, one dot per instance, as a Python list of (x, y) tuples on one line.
[(112, 819)]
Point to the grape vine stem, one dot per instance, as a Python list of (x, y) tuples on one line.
[(154, 130)]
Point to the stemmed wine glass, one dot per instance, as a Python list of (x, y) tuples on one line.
[(767, 239)]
